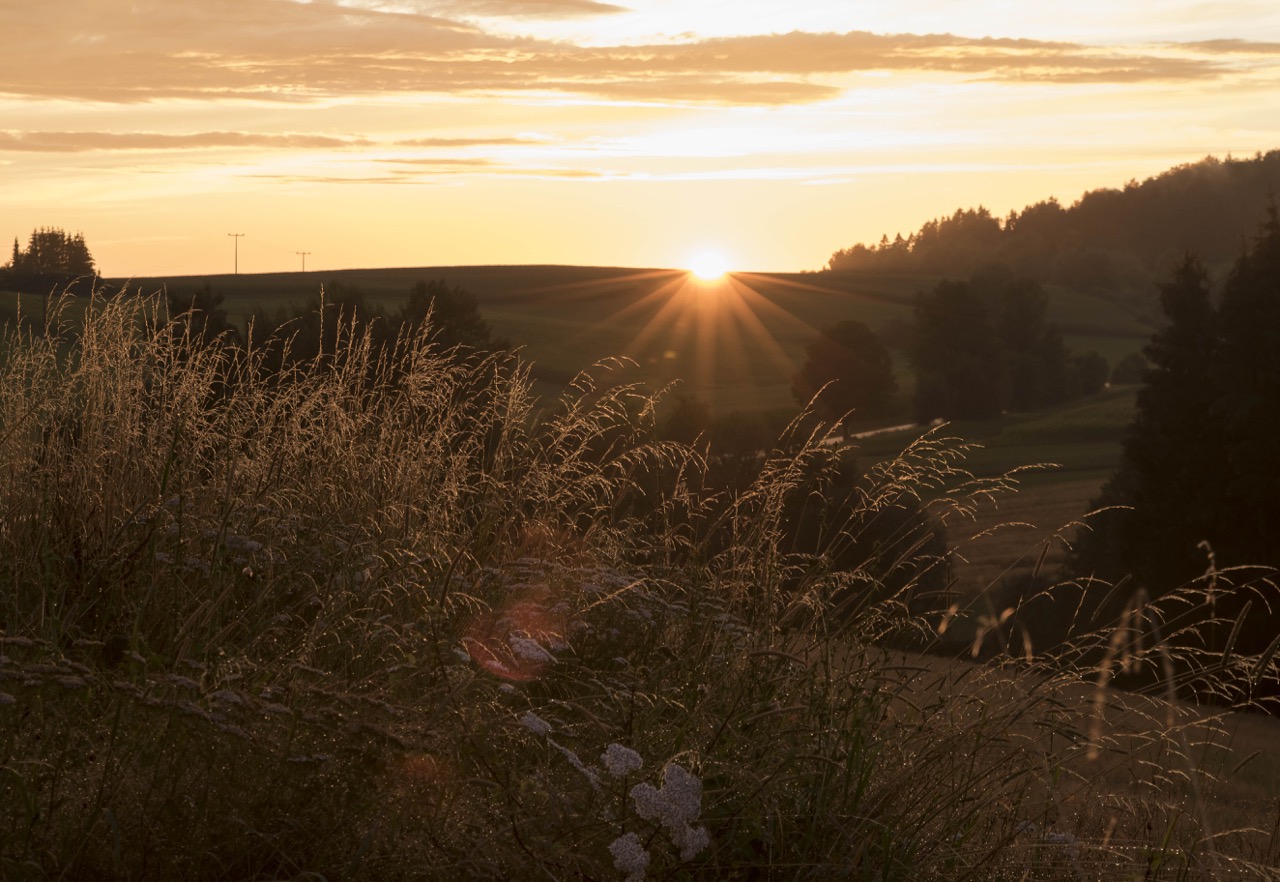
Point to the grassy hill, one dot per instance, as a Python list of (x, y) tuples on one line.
[(734, 343)]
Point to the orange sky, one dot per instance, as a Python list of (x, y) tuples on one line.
[(436, 132)]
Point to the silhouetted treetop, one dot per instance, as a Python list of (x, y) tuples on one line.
[(51, 252), (1108, 239)]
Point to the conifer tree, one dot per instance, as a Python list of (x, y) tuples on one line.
[(1169, 469), (1247, 374)]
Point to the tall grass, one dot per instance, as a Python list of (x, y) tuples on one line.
[(388, 616)]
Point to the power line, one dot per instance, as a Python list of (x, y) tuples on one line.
[(304, 259), (237, 237)]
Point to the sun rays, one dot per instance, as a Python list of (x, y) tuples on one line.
[(727, 338)]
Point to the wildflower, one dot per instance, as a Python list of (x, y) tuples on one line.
[(675, 806), (621, 761), (592, 778), (529, 650), (535, 724), (682, 790), (629, 856), (243, 543), (690, 841)]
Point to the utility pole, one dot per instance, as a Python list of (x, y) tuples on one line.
[(304, 259), (237, 237)]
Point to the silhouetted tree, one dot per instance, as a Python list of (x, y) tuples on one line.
[(985, 346), (51, 252), (1089, 373), (857, 370), (1169, 471), (688, 419), (1129, 370), (957, 356), (200, 314), (342, 311), (455, 317), (1247, 405)]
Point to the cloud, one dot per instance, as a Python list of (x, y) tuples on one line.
[(413, 172), (1242, 47), (529, 8), (279, 50), (468, 142), (83, 142)]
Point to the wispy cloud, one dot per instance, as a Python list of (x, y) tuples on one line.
[(528, 8), (1243, 47), (468, 142), (84, 142), (144, 50)]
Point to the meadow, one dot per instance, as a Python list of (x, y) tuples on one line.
[(402, 619), (734, 343)]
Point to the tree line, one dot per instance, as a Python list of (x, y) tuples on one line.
[(977, 348), (1107, 241)]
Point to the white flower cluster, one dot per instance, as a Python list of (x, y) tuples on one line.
[(629, 857), (675, 806), (621, 761), (535, 724)]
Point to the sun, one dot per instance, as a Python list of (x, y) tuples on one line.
[(708, 265)]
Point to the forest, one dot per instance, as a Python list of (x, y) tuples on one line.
[(1110, 240)]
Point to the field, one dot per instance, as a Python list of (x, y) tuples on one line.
[(735, 344), (411, 625)]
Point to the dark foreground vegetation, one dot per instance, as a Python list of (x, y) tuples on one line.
[(378, 613)]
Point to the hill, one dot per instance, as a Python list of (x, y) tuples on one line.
[(1111, 241), (735, 343)]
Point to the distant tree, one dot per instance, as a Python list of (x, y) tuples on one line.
[(849, 359), (1129, 370), (1113, 241), (200, 314), (688, 419), (986, 346), (455, 317), (313, 330), (51, 252), (1089, 372), (1035, 358), (957, 355)]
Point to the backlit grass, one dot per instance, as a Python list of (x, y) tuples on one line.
[(398, 619)]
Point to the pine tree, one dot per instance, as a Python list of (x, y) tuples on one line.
[(1247, 373), (51, 252), (1170, 466)]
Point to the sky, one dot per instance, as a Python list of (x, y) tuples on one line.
[(368, 133)]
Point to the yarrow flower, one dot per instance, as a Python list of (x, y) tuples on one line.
[(629, 856), (529, 650), (621, 761), (675, 806), (535, 724)]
